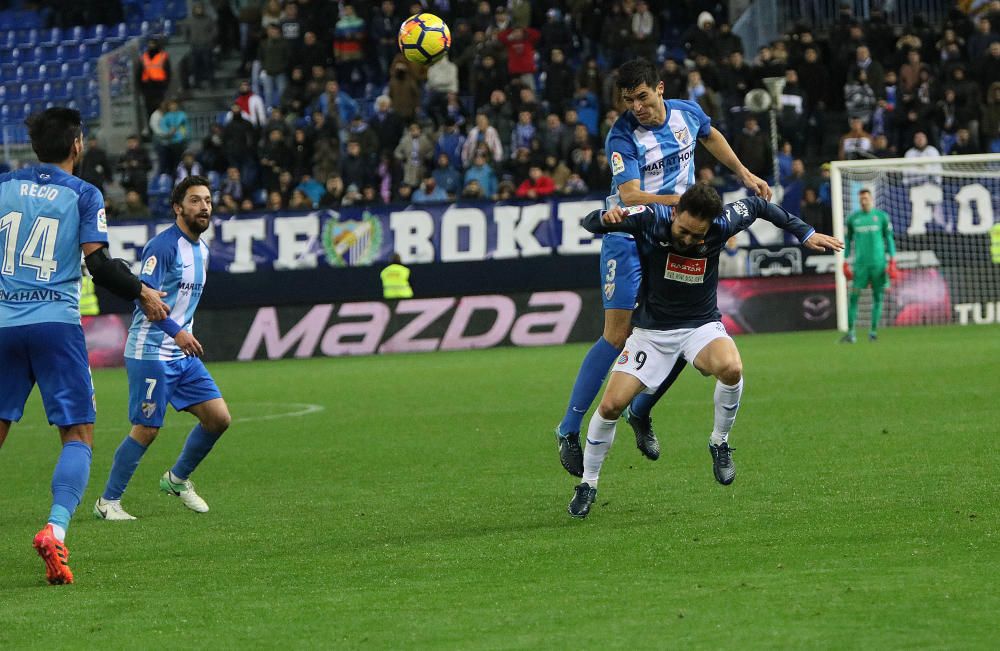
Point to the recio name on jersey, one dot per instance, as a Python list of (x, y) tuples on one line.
[(41, 191), (670, 162), (31, 295)]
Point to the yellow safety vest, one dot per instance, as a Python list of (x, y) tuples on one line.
[(995, 243), (396, 282), (88, 297)]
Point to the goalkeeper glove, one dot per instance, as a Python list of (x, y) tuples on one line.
[(892, 270), (847, 270)]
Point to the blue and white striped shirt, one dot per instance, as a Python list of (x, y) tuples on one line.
[(177, 265), (661, 158)]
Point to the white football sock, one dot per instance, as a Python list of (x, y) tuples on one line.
[(600, 436), (58, 532), (727, 403)]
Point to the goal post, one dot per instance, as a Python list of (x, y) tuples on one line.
[(945, 213)]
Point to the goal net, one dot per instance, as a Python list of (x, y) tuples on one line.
[(943, 213)]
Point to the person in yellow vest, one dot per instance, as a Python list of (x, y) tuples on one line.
[(153, 72), (995, 242), (396, 280)]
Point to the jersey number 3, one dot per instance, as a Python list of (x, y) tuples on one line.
[(40, 249)]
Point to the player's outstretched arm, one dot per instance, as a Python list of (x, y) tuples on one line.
[(618, 219), (719, 147), (115, 276), (822, 242), (631, 195)]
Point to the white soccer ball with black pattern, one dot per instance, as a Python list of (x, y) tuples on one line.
[(424, 38)]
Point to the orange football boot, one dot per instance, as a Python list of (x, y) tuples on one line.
[(56, 556)]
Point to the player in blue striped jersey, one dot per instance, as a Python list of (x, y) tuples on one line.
[(162, 358), (651, 152), (47, 218)]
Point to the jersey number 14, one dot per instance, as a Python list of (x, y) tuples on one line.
[(40, 249)]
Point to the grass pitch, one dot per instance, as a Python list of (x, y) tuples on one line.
[(417, 501)]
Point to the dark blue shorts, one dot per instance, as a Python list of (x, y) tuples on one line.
[(55, 356), (152, 384), (621, 272)]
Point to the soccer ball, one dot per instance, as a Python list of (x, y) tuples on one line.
[(424, 38)]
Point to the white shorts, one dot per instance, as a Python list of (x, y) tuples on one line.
[(650, 354)]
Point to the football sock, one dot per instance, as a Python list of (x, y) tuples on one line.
[(852, 310), (600, 436), (69, 481), (588, 383), (127, 458), (199, 443), (727, 403), (643, 403), (876, 309)]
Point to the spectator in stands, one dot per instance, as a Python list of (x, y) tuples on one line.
[(296, 98), (584, 164), (487, 78), (275, 59), (990, 127), (212, 155), (239, 144), (979, 43), (232, 185), (189, 166), (359, 131), (133, 207), (482, 133), (429, 192), (856, 143), (277, 120), (303, 152), (501, 113), (948, 118), (326, 158), (589, 76), (815, 213), (311, 188), (615, 29), (726, 42), (481, 172), (752, 147), (963, 143), (312, 53), (859, 98), (909, 75), (275, 202), (202, 33), (413, 151), (334, 192), (356, 168), (520, 45), (348, 47), (555, 34), (442, 80), (446, 176), (322, 127), (555, 139), (251, 105), (674, 79), (537, 185), (524, 131), (986, 69), (921, 147), (557, 170), (874, 72), (95, 167), (153, 72), (793, 115), (300, 201), (386, 124), (454, 110), (450, 141), (404, 193), (403, 89), (700, 38), (736, 78), (383, 30), (881, 147), (643, 35), (560, 82), (291, 26), (174, 125), (473, 191), (275, 158), (134, 166)]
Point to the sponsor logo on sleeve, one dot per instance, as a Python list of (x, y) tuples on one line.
[(634, 210), (102, 221), (149, 265), (623, 358), (617, 164), (685, 270)]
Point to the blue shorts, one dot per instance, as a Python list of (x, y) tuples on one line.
[(55, 356), (621, 272), (153, 383)]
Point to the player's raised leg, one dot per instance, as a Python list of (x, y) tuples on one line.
[(621, 275), (721, 359)]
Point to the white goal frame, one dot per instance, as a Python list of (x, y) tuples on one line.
[(837, 169)]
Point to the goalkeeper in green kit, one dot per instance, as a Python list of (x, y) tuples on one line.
[(869, 233)]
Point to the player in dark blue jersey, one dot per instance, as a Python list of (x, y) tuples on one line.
[(678, 317), (47, 217), (162, 359), (651, 152)]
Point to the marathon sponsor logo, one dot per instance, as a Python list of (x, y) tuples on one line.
[(190, 287), (685, 270), (669, 163), (31, 296)]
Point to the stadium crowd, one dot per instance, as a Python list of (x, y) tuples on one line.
[(332, 114)]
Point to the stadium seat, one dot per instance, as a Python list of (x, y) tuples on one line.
[(134, 29), (51, 37), (49, 53), (35, 92), (49, 72), (72, 69), (120, 31), (27, 37), (9, 40), (76, 35), (93, 50), (55, 91), (7, 55), (176, 9), (91, 108), (25, 55)]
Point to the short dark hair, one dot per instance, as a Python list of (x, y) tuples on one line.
[(864, 191), (701, 201), (636, 72), (53, 132), (180, 190)]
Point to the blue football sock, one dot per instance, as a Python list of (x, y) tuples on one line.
[(199, 443), (643, 403), (127, 458), (69, 481), (588, 383)]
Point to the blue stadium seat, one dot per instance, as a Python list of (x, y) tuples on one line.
[(49, 72), (50, 37), (93, 50), (134, 29), (120, 31), (7, 55), (72, 69), (95, 34), (35, 92), (25, 55), (71, 88), (91, 108), (168, 27), (26, 73), (49, 53), (7, 20), (176, 9), (8, 39), (7, 71), (27, 37), (55, 91)]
